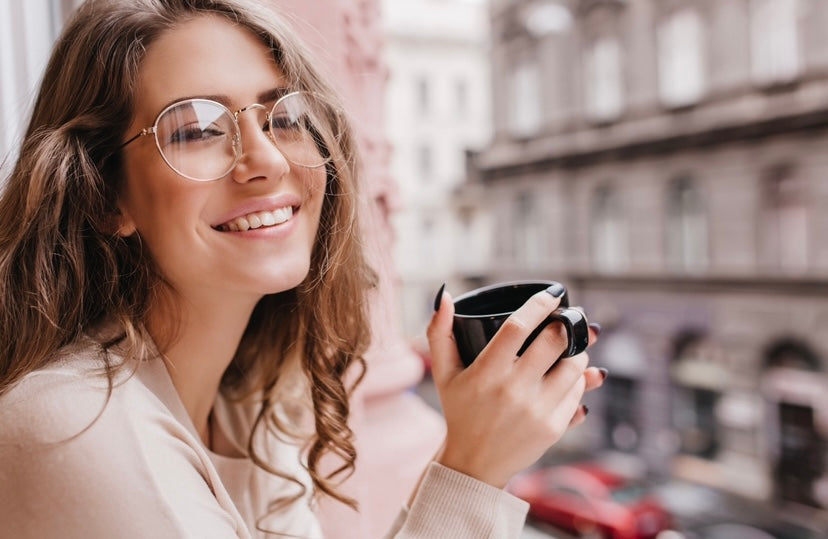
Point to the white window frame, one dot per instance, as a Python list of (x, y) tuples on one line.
[(774, 41), (603, 80), (687, 227), (681, 58), (525, 109), (610, 234)]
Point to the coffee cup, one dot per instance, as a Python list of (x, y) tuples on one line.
[(478, 315)]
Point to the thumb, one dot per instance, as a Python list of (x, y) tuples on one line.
[(445, 360)]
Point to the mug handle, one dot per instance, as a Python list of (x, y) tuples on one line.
[(577, 330)]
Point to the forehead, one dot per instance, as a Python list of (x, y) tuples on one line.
[(205, 56)]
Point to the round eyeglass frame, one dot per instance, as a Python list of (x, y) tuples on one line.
[(153, 130)]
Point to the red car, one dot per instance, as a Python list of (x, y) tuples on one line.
[(590, 500)]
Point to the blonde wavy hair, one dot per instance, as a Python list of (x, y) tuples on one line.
[(64, 271)]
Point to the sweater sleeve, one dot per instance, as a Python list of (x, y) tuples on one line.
[(451, 505), (75, 464)]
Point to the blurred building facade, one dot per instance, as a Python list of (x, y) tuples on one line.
[(437, 105), (665, 159)]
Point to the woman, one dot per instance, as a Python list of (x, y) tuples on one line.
[(183, 299)]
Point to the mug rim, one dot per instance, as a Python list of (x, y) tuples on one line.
[(488, 288)]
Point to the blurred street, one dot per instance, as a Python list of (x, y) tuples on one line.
[(694, 507)]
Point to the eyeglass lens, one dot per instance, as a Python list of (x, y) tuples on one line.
[(200, 140)]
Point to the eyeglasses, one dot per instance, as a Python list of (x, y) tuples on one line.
[(200, 139)]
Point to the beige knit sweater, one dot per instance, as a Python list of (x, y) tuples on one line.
[(75, 463)]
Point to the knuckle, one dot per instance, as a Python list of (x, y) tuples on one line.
[(511, 393), (547, 301), (572, 370), (581, 360), (555, 429), (513, 327), (554, 336)]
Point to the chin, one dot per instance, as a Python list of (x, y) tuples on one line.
[(284, 281)]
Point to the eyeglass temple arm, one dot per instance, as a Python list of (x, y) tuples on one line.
[(143, 132)]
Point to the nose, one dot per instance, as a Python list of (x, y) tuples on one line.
[(259, 157)]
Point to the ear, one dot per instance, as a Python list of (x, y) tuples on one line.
[(121, 223)]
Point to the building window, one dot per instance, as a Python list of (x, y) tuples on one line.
[(774, 41), (610, 237), (686, 227), (528, 231), (423, 95), (525, 100), (785, 221), (603, 80), (681, 66)]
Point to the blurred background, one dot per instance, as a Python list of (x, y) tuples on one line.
[(665, 159)]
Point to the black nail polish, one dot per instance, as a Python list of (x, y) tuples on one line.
[(439, 298), (556, 290), (596, 327), (585, 408), (604, 372)]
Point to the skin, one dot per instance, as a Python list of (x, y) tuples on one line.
[(501, 414), (218, 277)]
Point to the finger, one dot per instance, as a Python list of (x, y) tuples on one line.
[(580, 416), (544, 351), (594, 332), (594, 377), (445, 360), (508, 340), (565, 406), (541, 359), (567, 374)]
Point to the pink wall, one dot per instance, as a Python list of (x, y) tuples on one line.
[(396, 433)]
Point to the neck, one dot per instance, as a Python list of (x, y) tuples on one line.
[(204, 341)]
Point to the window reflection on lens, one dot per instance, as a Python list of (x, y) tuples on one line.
[(200, 139), (196, 139), (296, 128)]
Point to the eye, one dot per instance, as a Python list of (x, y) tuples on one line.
[(193, 132), (286, 122)]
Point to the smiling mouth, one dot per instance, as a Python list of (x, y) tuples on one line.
[(259, 219)]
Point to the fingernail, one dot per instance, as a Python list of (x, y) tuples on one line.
[(556, 290), (439, 298), (604, 372), (585, 408), (595, 327)]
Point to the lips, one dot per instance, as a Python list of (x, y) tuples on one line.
[(258, 219)]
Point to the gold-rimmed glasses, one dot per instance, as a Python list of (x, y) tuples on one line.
[(200, 139)]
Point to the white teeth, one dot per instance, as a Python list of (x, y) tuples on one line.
[(258, 220), (267, 218)]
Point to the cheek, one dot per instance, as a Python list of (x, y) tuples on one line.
[(157, 203), (316, 187)]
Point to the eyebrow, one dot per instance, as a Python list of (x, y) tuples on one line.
[(272, 94)]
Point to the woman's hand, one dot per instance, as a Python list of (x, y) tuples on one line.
[(503, 412)]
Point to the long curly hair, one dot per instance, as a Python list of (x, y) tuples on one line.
[(64, 271)]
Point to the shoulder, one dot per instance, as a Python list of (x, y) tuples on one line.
[(99, 457), (64, 398)]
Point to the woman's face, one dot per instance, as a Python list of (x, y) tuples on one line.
[(184, 223)]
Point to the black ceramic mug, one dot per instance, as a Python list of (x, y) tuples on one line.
[(480, 313)]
